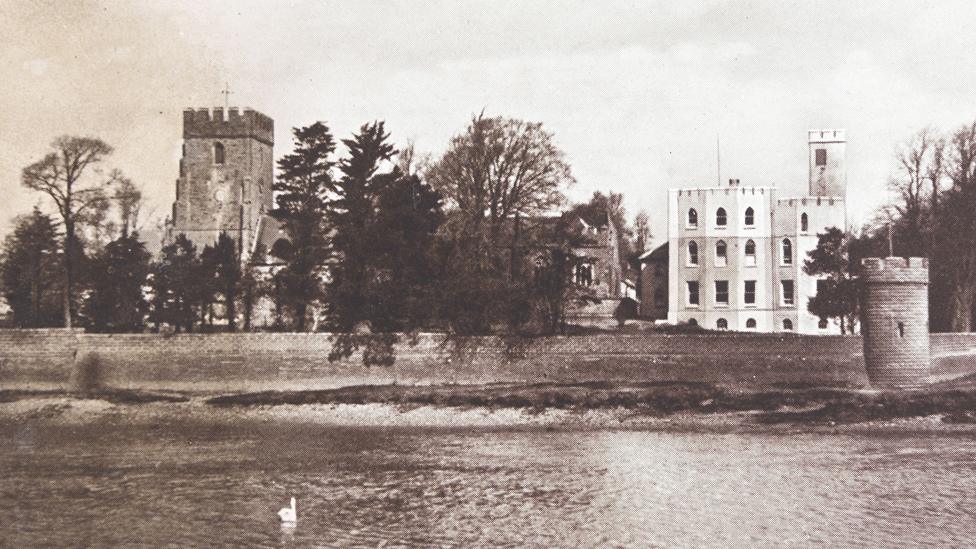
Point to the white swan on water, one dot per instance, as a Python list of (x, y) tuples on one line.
[(289, 515)]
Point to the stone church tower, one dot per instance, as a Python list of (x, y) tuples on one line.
[(225, 176)]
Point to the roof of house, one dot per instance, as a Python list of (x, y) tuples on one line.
[(659, 253)]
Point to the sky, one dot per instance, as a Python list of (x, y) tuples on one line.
[(635, 93)]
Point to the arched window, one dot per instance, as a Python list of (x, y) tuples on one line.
[(692, 253), (721, 219), (722, 324), (721, 254), (750, 217), (804, 223), (751, 323), (692, 218), (692, 322), (750, 252), (218, 152), (787, 252), (787, 325)]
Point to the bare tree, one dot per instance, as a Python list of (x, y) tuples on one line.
[(642, 230), (956, 243), (128, 201), (60, 176), (499, 168)]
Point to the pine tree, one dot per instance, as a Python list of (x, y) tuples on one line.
[(837, 292), (117, 302), (302, 193), (30, 272), (352, 213), (174, 278)]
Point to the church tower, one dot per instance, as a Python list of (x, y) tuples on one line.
[(828, 163), (225, 176)]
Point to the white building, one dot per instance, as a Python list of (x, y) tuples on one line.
[(737, 252)]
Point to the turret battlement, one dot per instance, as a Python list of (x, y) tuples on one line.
[(895, 270), (827, 136), (232, 123)]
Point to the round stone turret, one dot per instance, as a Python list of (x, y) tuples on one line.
[(895, 321)]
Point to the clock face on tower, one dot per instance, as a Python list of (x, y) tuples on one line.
[(220, 195)]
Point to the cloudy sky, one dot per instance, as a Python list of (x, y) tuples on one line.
[(635, 92)]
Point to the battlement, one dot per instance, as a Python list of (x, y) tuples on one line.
[(810, 201), (895, 270), (733, 189), (827, 136), (232, 123)]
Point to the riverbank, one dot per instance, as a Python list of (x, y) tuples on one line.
[(694, 407)]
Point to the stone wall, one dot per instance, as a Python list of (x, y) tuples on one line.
[(42, 359)]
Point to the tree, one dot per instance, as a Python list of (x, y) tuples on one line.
[(837, 292), (499, 168), (352, 213), (117, 302), (252, 285), (227, 276), (29, 271), (403, 237), (174, 278), (302, 194), (60, 176)]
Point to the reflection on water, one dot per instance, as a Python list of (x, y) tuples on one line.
[(223, 484)]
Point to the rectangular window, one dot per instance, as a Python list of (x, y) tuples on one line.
[(722, 292), (693, 293), (821, 287), (787, 292), (821, 157), (750, 293)]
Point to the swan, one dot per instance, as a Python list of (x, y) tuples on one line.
[(289, 515)]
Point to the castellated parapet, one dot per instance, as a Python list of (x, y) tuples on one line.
[(233, 123), (895, 321)]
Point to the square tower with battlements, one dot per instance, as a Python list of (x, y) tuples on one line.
[(828, 163), (225, 176)]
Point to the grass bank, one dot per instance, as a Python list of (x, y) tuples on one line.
[(770, 405)]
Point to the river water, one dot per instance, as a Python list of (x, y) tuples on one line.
[(187, 485)]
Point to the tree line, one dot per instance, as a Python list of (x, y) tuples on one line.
[(379, 239)]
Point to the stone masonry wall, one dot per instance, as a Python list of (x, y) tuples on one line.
[(895, 312), (42, 359)]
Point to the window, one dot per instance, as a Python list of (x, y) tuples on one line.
[(822, 324), (721, 219), (751, 324), (787, 294), (721, 292), (804, 223), (692, 253), (787, 252), (787, 325), (692, 322), (750, 217), (750, 253), (584, 274), (750, 292), (721, 254), (821, 157), (693, 299), (692, 218), (218, 152), (722, 324), (901, 329)]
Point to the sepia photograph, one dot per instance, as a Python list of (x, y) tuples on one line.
[(487, 273)]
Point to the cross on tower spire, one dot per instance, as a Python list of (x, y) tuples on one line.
[(226, 93)]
